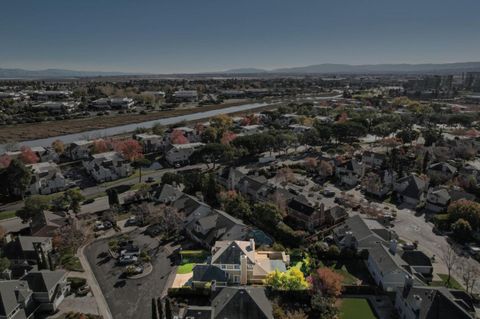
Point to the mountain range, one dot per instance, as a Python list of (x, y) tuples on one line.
[(326, 68)]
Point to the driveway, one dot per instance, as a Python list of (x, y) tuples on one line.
[(130, 298)]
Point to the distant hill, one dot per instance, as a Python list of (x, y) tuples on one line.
[(245, 71), (52, 73), (382, 68)]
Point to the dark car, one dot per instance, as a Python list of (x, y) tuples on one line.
[(328, 193), (150, 180)]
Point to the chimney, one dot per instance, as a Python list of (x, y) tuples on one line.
[(407, 285), (417, 303), (243, 270), (348, 239), (393, 246), (252, 244)]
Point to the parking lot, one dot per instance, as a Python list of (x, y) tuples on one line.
[(130, 298)]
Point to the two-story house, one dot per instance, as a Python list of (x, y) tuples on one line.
[(411, 189), (46, 179), (181, 153), (79, 150), (107, 166), (150, 142)]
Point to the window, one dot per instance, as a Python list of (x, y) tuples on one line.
[(229, 266), (222, 266), (236, 278), (237, 266)]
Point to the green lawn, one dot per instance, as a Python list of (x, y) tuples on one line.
[(454, 284), (190, 258), (348, 277), (185, 268), (355, 308), (7, 214)]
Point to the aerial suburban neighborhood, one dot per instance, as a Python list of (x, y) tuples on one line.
[(352, 194), (264, 159)]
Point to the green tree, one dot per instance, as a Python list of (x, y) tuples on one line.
[(237, 206), (462, 230), (292, 279), (113, 200), (33, 205), (158, 129), (267, 214), (172, 179), (466, 210), (17, 178), (74, 197), (4, 264)]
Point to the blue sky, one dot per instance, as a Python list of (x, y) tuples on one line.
[(167, 36)]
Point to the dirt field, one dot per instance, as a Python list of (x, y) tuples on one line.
[(23, 132)]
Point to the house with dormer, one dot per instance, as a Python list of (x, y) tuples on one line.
[(107, 166), (46, 179)]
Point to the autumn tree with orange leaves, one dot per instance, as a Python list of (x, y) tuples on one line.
[(130, 149), (326, 282), (99, 146), (177, 137), (27, 156)]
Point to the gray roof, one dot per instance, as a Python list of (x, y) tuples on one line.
[(26, 242), (229, 252), (44, 280), (207, 273), (166, 194), (437, 302), (416, 186), (10, 291), (242, 302)]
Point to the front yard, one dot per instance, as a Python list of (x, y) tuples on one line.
[(355, 308), (453, 284)]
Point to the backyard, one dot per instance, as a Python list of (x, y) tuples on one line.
[(353, 308), (189, 258)]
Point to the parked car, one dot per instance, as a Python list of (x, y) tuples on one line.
[(328, 193), (127, 260), (132, 221), (150, 180)]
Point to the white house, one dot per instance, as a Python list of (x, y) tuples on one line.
[(124, 103), (107, 166), (185, 96), (46, 179), (349, 173), (411, 189), (180, 153)]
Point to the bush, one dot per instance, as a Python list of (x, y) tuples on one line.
[(76, 282)]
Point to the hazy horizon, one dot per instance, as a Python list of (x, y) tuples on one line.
[(194, 37)]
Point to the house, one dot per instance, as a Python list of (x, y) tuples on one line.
[(46, 179), (254, 187), (50, 95), (374, 159), (55, 107), (297, 128), (207, 274), (441, 172), (438, 198), (207, 228), (46, 223), (349, 173), (250, 129), (180, 153), (412, 302), (36, 292), (166, 194), (49, 288), (245, 265), (233, 303), (45, 154), (100, 104), (150, 142), (107, 166), (34, 249), (469, 175), (79, 150), (411, 189), (232, 94), (185, 96), (379, 183), (310, 217), (122, 103)]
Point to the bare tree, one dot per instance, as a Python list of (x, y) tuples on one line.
[(450, 259), (470, 274)]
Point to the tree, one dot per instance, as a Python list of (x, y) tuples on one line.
[(222, 123), (284, 176), (209, 135), (462, 230), (27, 156), (236, 205), (177, 137), (168, 309), (99, 146), (33, 205), (325, 168), (74, 197), (130, 149), (432, 135), (58, 146), (171, 178), (17, 178), (311, 163), (470, 273), (267, 214), (326, 282), (139, 164), (4, 264), (467, 210), (292, 279), (158, 129), (214, 153), (113, 200), (407, 135), (324, 306), (450, 259), (227, 137), (5, 160)]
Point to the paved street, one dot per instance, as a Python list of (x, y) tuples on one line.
[(130, 298)]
